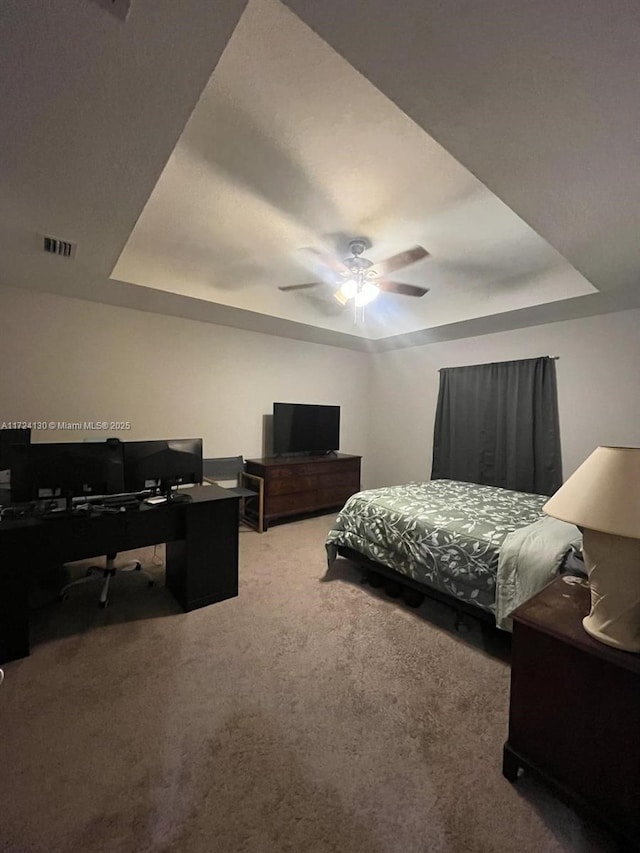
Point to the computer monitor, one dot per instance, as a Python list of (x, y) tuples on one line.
[(66, 470), (162, 464), (9, 438)]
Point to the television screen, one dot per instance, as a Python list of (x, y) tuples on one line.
[(305, 428)]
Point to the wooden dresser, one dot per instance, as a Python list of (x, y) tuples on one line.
[(294, 485), (574, 715)]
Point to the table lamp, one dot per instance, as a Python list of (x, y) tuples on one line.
[(602, 497)]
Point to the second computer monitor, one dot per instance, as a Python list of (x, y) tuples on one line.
[(162, 464)]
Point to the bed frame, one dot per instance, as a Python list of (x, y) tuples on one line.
[(461, 607)]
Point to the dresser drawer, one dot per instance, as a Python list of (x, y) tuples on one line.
[(293, 503), (290, 485), (293, 472), (339, 480), (339, 466), (334, 496)]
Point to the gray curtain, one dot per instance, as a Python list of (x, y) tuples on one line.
[(497, 424)]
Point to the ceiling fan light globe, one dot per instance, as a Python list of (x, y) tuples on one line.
[(349, 289), (367, 294)]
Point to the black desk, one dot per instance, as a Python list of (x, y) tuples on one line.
[(201, 552)]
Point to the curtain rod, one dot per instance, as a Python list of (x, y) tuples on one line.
[(552, 357)]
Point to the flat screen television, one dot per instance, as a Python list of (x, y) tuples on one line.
[(305, 428), (162, 464)]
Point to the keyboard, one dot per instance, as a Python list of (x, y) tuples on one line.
[(120, 500)]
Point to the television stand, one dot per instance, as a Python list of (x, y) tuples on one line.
[(301, 485)]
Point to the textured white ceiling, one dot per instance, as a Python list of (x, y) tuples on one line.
[(539, 100), (288, 147), (539, 103)]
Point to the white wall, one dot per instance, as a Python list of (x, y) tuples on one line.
[(598, 389), (70, 360)]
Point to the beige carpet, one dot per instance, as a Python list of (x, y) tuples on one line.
[(309, 714)]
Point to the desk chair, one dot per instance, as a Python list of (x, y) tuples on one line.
[(107, 571), (231, 469)]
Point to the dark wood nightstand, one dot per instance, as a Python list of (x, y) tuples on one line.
[(574, 715)]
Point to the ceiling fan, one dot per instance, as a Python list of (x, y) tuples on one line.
[(362, 280)]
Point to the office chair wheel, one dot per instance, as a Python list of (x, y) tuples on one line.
[(63, 596), (138, 568), (103, 604)]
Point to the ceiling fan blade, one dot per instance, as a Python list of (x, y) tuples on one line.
[(402, 289), (331, 263), (403, 259), (301, 286)]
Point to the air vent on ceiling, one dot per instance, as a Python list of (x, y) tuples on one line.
[(63, 248)]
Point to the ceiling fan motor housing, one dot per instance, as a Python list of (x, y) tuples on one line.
[(357, 264), (358, 246)]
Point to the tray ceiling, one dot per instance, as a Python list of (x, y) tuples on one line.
[(191, 151), (288, 147)]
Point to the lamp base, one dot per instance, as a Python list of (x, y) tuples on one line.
[(613, 565), (625, 644)]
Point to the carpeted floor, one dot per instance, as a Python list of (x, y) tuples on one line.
[(310, 714)]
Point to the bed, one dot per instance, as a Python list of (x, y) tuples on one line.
[(484, 547)]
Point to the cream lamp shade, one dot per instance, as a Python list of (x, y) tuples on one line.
[(602, 497)]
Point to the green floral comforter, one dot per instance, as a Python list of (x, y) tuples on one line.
[(443, 533)]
